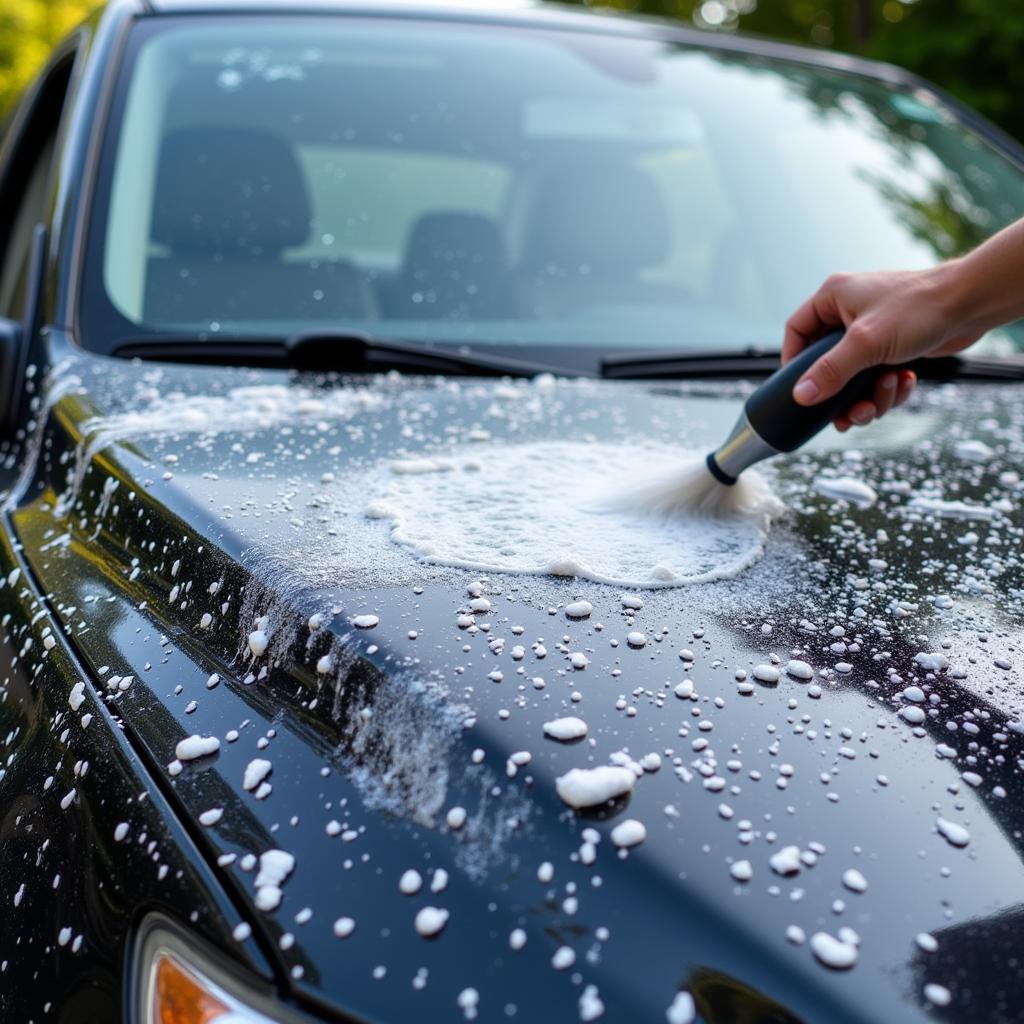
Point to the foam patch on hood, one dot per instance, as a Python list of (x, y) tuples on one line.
[(543, 509)]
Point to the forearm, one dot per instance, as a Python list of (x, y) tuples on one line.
[(893, 318), (985, 288)]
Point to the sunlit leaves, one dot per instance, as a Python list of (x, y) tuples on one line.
[(28, 31)]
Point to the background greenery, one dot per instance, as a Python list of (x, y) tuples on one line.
[(973, 48), (28, 30)]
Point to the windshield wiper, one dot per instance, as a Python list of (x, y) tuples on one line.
[(754, 362), (328, 350), (748, 362), (355, 351)]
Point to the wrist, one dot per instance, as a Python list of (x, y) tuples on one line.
[(955, 294)]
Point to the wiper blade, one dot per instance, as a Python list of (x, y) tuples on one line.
[(994, 368), (753, 362), (328, 350), (748, 362), (356, 351)]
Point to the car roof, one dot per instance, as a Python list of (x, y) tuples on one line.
[(534, 13), (285, 6)]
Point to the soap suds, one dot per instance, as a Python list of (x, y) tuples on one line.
[(973, 451), (591, 1007), (564, 958), (799, 670), (411, 882), (742, 871), (255, 772), (430, 921), (629, 833), (275, 867), (570, 728), (786, 861), (937, 995), (854, 880), (833, 952), (682, 1009), (954, 834), (589, 787), (196, 746), (846, 488), (952, 509), (77, 696), (578, 610), (931, 662), (544, 509)]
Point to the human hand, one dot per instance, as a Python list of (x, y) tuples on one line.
[(890, 319)]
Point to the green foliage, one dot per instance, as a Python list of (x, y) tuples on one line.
[(28, 31), (972, 48)]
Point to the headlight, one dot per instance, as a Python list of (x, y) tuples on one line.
[(173, 981)]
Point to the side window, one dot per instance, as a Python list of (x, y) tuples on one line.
[(28, 152)]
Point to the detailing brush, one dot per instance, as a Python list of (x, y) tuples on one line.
[(772, 422)]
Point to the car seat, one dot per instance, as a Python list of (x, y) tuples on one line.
[(228, 202), (455, 268), (592, 229)]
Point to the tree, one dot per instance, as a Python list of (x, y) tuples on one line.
[(29, 29), (971, 48)]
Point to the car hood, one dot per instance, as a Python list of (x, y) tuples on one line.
[(241, 555)]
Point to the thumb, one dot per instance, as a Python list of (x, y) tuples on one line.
[(836, 368)]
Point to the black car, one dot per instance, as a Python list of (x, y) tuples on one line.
[(332, 687)]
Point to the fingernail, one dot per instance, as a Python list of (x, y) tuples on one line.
[(889, 381), (806, 391), (861, 418)]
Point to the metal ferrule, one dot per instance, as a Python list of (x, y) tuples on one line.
[(741, 450)]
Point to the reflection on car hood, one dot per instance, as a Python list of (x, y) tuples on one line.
[(204, 534)]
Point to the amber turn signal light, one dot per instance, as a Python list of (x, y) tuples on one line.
[(180, 998), (178, 978)]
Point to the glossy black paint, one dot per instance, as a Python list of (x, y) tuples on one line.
[(674, 915), (88, 571), (72, 892)]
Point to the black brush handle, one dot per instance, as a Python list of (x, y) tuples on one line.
[(785, 425)]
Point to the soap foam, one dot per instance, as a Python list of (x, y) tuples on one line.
[(548, 508)]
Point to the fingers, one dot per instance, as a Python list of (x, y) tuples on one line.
[(905, 388), (892, 390), (812, 319), (860, 414), (836, 368), (885, 392)]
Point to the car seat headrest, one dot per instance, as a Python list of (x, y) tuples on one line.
[(229, 189)]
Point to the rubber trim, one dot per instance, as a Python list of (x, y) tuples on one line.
[(718, 473)]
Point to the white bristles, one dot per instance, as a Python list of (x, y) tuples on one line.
[(690, 490)]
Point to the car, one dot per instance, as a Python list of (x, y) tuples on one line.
[(345, 675)]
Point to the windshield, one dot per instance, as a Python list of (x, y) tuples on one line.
[(507, 186)]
